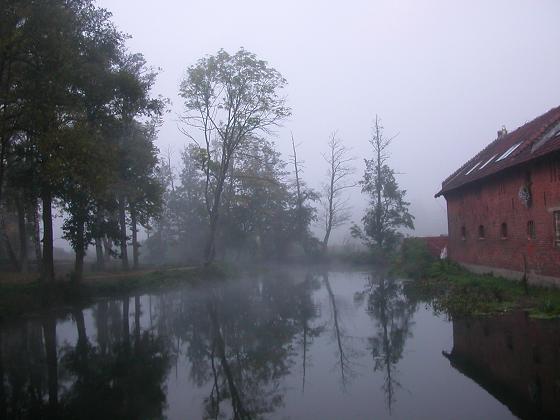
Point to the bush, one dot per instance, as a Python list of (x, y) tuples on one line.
[(414, 260)]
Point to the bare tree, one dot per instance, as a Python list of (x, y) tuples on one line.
[(297, 168), (339, 173), (228, 98)]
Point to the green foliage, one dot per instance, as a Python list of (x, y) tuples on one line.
[(457, 292), (71, 96), (413, 260), (229, 100), (388, 209), (260, 216)]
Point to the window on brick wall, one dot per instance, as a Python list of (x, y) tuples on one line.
[(531, 232), (503, 231), (463, 233), (556, 215), (481, 232)]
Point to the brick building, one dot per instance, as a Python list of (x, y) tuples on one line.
[(503, 205)]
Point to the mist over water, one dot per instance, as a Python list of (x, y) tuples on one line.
[(287, 343)]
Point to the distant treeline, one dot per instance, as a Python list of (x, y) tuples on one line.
[(77, 129)]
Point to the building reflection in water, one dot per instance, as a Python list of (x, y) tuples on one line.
[(515, 358)]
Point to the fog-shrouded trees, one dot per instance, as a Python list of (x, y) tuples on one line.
[(70, 97), (388, 210), (305, 213), (335, 211), (258, 213), (228, 98)]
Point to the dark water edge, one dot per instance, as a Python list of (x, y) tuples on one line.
[(291, 343)]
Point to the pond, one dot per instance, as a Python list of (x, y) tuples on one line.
[(291, 343)]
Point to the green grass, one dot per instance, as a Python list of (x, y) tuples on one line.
[(33, 297), (456, 291)]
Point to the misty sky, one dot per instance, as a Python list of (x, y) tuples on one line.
[(445, 75)]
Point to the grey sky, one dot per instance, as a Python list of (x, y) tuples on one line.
[(445, 75)]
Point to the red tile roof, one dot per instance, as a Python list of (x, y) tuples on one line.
[(530, 141)]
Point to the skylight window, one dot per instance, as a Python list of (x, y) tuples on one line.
[(473, 168), (509, 151), (487, 162)]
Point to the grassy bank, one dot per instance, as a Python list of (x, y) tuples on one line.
[(452, 289), (17, 299)]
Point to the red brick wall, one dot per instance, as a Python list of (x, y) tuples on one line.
[(494, 201)]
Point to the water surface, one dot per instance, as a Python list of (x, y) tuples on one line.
[(292, 343)]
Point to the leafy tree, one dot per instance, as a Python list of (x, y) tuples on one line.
[(134, 81), (63, 45), (144, 188), (228, 98), (388, 209), (258, 214)]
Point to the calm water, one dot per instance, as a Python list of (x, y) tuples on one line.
[(290, 344)]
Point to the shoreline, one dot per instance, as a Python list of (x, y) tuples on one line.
[(451, 289), (20, 299)]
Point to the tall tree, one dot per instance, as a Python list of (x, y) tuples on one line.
[(145, 190), (60, 38), (388, 209), (134, 83), (305, 213), (228, 98), (339, 171)]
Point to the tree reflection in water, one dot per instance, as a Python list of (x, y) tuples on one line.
[(239, 338), (345, 352), (308, 311), (388, 305), (112, 378)]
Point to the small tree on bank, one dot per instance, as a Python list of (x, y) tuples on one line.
[(228, 99), (388, 209)]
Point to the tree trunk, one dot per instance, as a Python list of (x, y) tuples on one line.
[(210, 249), (3, 150), (37, 235), (3, 393), (47, 273), (137, 313), (102, 325), (80, 253), (22, 229), (125, 321), (135, 245), (100, 261), (122, 225), (9, 248), (81, 346), (107, 246), (49, 332)]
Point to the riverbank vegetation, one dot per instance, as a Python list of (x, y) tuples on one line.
[(17, 299), (451, 289)]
